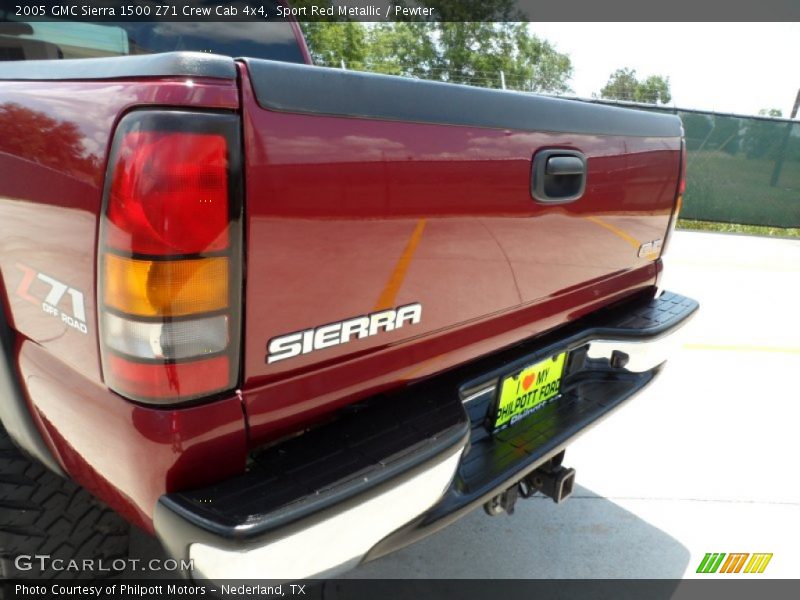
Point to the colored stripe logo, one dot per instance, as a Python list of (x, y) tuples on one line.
[(714, 562)]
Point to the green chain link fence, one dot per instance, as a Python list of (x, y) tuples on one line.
[(740, 169)]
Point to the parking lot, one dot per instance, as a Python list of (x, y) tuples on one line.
[(705, 460)]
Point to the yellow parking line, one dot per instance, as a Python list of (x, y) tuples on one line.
[(616, 230), (742, 348), (387, 297)]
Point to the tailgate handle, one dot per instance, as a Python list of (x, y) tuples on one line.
[(564, 165), (558, 176)]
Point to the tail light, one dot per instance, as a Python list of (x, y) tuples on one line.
[(676, 209), (170, 257)]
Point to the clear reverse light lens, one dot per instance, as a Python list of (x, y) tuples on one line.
[(171, 341)]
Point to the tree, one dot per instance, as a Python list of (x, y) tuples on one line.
[(479, 52), (458, 52), (624, 85), (770, 112), (330, 44), (654, 90), (621, 85), (468, 41), (404, 48), (40, 138)]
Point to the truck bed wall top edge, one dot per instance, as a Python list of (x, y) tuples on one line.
[(170, 64), (321, 90)]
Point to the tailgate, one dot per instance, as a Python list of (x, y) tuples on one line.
[(392, 231)]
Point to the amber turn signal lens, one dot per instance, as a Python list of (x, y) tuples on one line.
[(166, 288)]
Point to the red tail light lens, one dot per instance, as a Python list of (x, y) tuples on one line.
[(170, 257), (169, 193), (165, 383)]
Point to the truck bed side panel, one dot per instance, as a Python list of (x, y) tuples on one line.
[(54, 138)]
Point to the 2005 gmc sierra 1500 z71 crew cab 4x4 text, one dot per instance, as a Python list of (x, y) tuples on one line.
[(290, 318)]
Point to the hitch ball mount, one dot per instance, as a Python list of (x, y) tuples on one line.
[(551, 479)]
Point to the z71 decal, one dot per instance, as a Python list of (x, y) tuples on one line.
[(341, 332), (48, 293)]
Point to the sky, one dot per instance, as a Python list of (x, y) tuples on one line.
[(725, 67)]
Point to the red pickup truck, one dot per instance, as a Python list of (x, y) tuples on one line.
[(290, 318)]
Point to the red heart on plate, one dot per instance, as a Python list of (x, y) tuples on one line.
[(528, 381)]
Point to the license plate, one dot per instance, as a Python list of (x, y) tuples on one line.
[(528, 390)]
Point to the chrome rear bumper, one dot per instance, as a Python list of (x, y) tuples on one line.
[(335, 523), (333, 542)]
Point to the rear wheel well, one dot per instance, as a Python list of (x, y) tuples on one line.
[(15, 415)]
